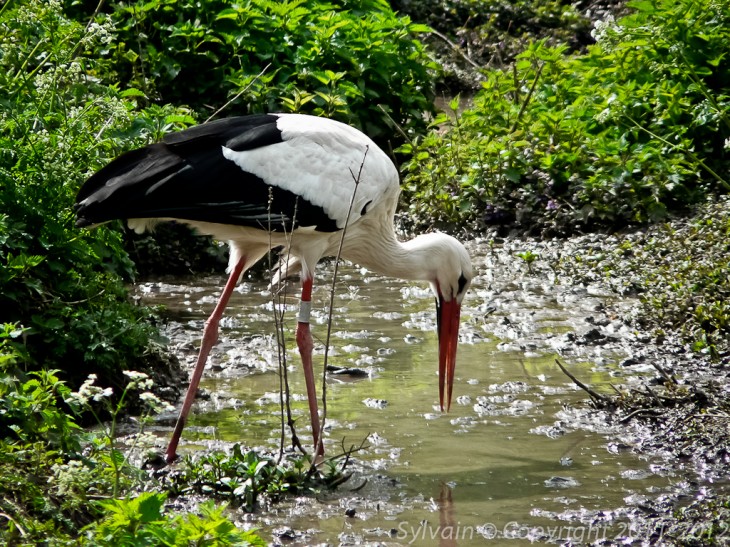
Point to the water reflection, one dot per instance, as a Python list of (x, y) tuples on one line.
[(448, 525), (505, 462)]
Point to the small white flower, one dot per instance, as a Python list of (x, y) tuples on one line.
[(138, 380), (601, 28), (88, 392), (155, 403), (102, 393)]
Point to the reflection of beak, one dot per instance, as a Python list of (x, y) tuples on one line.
[(447, 316)]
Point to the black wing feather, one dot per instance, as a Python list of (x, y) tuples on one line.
[(187, 177)]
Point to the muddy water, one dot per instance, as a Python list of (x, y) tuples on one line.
[(517, 458)]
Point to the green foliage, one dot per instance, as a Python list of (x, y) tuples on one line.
[(344, 59), (93, 399), (29, 411), (52, 473), (46, 484), (635, 128), (686, 279), (493, 32), (242, 477), (59, 123), (529, 258), (139, 521)]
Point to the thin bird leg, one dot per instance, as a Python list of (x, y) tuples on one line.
[(210, 337), (306, 345)]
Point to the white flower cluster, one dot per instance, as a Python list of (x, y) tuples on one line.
[(138, 380), (602, 28), (30, 12), (66, 476), (88, 392), (607, 113), (154, 403), (141, 381), (100, 33)]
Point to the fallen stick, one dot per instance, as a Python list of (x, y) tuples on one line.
[(597, 397)]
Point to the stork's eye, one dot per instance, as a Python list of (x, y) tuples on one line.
[(462, 283)]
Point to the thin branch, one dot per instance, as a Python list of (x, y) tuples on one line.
[(457, 49), (356, 179), (222, 108), (290, 418), (592, 393), (395, 124), (528, 98), (20, 529), (654, 396), (652, 411), (687, 151), (618, 392), (279, 338), (667, 377), (276, 297), (86, 29)]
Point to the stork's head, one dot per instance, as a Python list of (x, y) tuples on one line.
[(452, 277)]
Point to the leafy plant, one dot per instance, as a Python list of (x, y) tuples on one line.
[(528, 257), (65, 287), (243, 477), (140, 521), (633, 129), (53, 474), (92, 398), (490, 33), (354, 60)]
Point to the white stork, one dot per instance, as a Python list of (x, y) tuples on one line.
[(281, 180)]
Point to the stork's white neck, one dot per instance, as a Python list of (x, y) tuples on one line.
[(436, 258)]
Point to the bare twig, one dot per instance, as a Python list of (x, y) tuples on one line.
[(654, 396), (457, 49), (395, 124), (332, 294), (358, 488), (528, 98), (597, 397), (289, 417), (86, 29), (618, 392), (667, 377), (222, 108), (277, 295), (638, 412), (346, 453), (20, 529), (722, 416)]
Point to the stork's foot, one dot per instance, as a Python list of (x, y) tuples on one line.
[(155, 462), (171, 457)]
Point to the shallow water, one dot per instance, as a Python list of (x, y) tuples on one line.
[(507, 463)]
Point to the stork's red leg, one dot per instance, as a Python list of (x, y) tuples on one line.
[(306, 345), (210, 337)]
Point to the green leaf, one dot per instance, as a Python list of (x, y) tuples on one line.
[(417, 28), (132, 92)]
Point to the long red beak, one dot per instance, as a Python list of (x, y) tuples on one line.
[(447, 316)]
